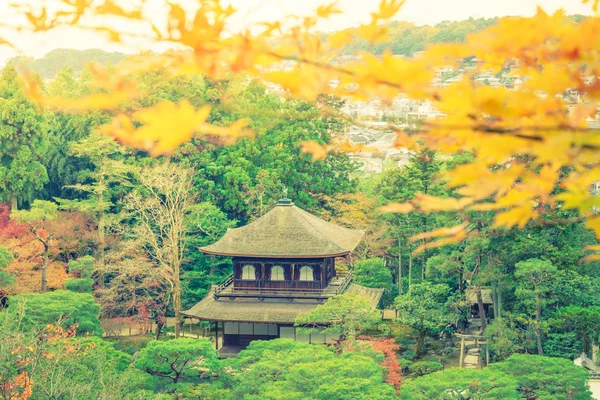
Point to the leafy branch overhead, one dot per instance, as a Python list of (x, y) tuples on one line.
[(532, 152)]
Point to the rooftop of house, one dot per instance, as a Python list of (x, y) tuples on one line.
[(286, 232), (269, 310), (486, 296)]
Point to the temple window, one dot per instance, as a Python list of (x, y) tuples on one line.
[(249, 272), (306, 273), (277, 273)]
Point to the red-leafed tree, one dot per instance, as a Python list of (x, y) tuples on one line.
[(37, 218), (388, 347)]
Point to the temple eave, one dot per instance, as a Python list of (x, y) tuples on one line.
[(246, 254)]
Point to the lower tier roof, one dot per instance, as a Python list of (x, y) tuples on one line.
[(275, 311)]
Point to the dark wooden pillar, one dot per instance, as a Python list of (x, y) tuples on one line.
[(217, 335)]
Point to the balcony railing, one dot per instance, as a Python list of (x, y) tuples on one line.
[(291, 290)]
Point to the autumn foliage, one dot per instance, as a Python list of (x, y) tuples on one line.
[(534, 151), (388, 347), (27, 356), (73, 236)]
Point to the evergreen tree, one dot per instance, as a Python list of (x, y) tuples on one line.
[(22, 142)]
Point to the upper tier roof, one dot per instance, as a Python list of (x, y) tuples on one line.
[(287, 232)]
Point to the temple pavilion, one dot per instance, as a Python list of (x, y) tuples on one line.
[(283, 265)]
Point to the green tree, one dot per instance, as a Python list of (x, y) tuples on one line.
[(344, 315), (583, 322), (425, 309), (83, 268), (520, 376), (89, 368), (81, 285), (239, 177), (48, 363), (206, 223), (65, 166), (373, 273), (549, 378), (6, 279), (461, 384), (534, 283), (503, 337), (108, 174), (421, 368), (22, 142), (178, 360), (37, 219), (565, 345), (405, 184), (60, 307), (285, 369)]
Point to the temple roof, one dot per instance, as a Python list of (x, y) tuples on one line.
[(486, 296), (286, 231), (273, 311)]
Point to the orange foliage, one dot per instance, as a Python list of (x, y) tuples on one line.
[(8, 227), (73, 237), (359, 211), (524, 138), (27, 354), (389, 348)]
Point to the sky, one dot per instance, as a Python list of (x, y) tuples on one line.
[(251, 11)]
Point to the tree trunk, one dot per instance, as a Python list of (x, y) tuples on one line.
[(160, 322), (13, 202), (400, 291), (101, 238), (101, 247), (409, 270), (499, 296), (538, 333), (101, 228), (495, 299), (177, 300), (420, 343), (482, 315), (45, 267)]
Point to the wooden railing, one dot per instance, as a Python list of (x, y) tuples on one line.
[(233, 288), (224, 283), (345, 283)]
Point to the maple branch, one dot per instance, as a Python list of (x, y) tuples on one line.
[(508, 131), (329, 67)]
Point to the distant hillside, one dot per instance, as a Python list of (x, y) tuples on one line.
[(54, 61), (407, 38)]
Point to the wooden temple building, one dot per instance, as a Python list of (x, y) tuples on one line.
[(283, 265)]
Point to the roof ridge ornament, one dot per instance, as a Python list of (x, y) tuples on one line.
[(284, 200)]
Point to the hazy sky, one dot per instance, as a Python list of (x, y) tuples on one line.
[(356, 11)]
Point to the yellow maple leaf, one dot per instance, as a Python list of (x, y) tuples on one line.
[(109, 7), (325, 11), (97, 101), (318, 151), (454, 238), (164, 126), (388, 8), (516, 216), (402, 208), (429, 203)]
